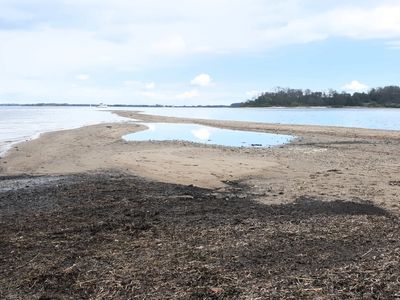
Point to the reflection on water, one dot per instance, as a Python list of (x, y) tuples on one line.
[(207, 135)]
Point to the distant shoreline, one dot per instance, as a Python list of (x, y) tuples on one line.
[(191, 106), (112, 105)]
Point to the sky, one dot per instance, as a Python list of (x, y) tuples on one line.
[(193, 52)]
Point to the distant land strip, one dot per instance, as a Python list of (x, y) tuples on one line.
[(388, 96)]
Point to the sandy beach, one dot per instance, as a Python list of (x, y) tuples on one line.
[(86, 214), (324, 162)]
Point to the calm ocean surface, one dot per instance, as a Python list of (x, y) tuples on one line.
[(22, 123), (373, 118)]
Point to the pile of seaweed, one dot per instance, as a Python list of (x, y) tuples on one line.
[(115, 236)]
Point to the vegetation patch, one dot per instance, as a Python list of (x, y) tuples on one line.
[(388, 96)]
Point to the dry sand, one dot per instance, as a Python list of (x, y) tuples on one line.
[(328, 163)]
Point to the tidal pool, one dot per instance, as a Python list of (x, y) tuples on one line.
[(207, 135)]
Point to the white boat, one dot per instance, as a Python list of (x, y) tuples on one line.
[(102, 105)]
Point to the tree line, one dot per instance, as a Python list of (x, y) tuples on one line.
[(388, 96)]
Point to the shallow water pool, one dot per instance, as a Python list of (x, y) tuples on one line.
[(207, 135)]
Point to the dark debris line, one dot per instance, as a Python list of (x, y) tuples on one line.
[(113, 236)]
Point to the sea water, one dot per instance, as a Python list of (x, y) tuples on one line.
[(21, 123), (371, 118)]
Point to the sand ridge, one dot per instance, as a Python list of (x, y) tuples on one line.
[(100, 147)]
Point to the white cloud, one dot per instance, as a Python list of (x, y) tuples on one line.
[(49, 52), (150, 85), (202, 134), (134, 31), (355, 22), (171, 45), (202, 80), (83, 77), (131, 82), (188, 95), (382, 21), (355, 86)]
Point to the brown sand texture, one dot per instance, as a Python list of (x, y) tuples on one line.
[(328, 162)]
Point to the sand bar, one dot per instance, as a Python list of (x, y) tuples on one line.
[(324, 162)]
